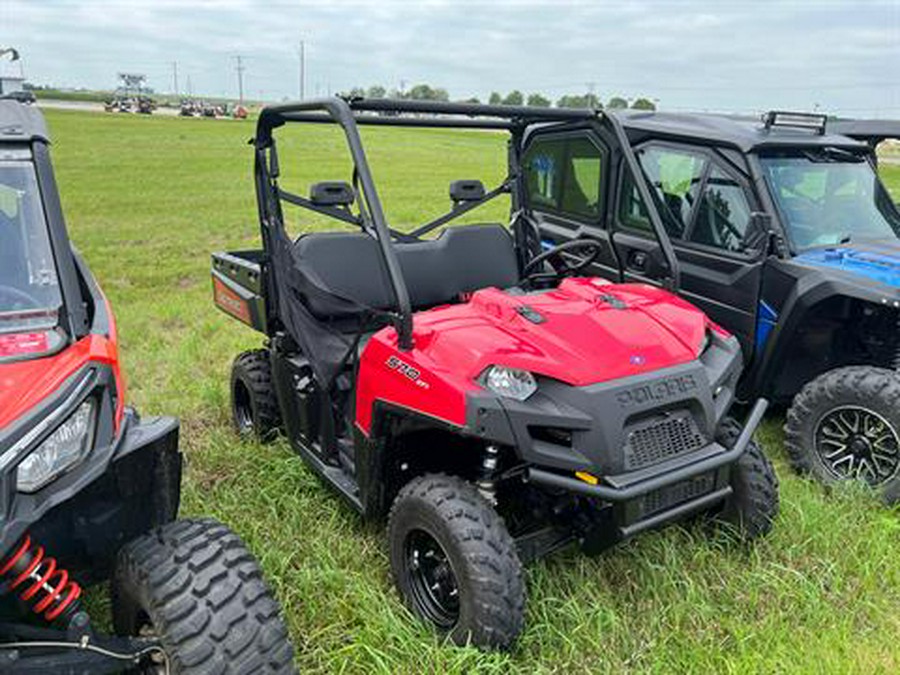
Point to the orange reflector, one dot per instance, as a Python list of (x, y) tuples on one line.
[(587, 477)]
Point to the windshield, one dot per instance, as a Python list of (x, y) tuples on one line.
[(29, 289), (829, 197)]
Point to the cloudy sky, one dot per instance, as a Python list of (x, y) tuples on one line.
[(842, 56)]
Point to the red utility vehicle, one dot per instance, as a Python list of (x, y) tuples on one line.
[(472, 387), (88, 490)]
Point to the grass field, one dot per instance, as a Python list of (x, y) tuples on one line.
[(147, 199)]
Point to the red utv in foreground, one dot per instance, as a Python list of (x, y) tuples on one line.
[(496, 405), (89, 491)]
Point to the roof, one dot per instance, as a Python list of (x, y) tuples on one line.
[(877, 130), (747, 133), (21, 123)]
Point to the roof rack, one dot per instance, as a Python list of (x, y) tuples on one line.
[(797, 120)]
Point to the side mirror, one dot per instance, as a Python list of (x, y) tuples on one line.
[(466, 191), (331, 193)]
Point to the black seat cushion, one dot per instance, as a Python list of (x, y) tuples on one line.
[(463, 259)]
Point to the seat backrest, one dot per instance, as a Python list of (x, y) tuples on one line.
[(463, 259)]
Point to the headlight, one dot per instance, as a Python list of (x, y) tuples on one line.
[(61, 450), (509, 382)]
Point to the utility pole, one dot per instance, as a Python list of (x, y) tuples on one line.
[(240, 74), (175, 76), (302, 70)]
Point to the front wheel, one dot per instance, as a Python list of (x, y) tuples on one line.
[(845, 425), (193, 585), (455, 563), (754, 502)]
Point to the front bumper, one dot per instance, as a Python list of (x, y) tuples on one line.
[(128, 483), (628, 489)]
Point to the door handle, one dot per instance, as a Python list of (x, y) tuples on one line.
[(637, 260)]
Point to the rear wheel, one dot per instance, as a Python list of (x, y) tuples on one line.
[(845, 425), (455, 563), (194, 585), (254, 404), (754, 504)]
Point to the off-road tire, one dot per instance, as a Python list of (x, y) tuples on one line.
[(868, 388), (754, 503), (194, 585), (481, 552), (254, 404)]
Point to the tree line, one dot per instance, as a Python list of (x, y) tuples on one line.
[(424, 92)]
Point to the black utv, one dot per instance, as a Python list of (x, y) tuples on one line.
[(778, 228)]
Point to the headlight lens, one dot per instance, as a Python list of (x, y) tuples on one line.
[(61, 450), (510, 382)]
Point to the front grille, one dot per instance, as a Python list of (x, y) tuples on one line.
[(667, 497), (658, 439)]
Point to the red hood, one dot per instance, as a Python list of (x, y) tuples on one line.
[(592, 331)]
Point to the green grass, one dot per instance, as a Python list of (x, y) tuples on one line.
[(147, 199)]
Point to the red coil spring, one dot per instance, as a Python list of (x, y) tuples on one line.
[(45, 587)]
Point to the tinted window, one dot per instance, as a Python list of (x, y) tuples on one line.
[(676, 176), (723, 213), (564, 174)]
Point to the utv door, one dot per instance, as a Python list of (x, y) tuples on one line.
[(705, 202), (566, 186)]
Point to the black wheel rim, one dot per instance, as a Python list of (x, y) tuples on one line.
[(432, 581), (857, 443), (243, 412)]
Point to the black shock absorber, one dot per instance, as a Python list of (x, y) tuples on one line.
[(489, 462), (44, 586)]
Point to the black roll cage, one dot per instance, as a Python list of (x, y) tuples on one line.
[(349, 113)]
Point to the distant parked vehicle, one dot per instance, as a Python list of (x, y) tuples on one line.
[(25, 97)]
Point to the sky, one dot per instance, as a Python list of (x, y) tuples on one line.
[(838, 56)]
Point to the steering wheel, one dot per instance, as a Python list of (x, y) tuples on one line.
[(584, 250), (17, 296)]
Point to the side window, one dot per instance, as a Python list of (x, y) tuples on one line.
[(632, 211), (718, 217), (723, 213), (563, 174), (676, 176)]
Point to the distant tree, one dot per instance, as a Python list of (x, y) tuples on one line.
[(421, 92), (424, 92), (643, 104), (355, 92), (538, 101), (496, 98), (579, 101), (376, 91), (617, 103), (472, 99), (515, 97)]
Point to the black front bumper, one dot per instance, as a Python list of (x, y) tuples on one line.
[(696, 481), (127, 484)]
